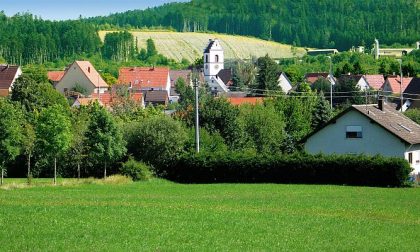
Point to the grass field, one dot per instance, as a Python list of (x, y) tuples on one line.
[(161, 215), (189, 45)]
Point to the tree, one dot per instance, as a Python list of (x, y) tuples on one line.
[(53, 133), (186, 93), (109, 79), (267, 78), (151, 48), (104, 137), (28, 145), (264, 127), (321, 85), (322, 112), (413, 114), (11, 134), (157, 140), (34, 96)]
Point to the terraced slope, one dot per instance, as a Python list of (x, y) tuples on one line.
[(178, 45)]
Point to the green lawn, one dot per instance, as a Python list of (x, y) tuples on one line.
[(160, 215)]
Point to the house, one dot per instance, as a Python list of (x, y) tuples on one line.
[(375, 81), (213, 65), (393, 85), (8, 76), (311, 78), (82, 74), (359, 80), (371, 130), (412, 95), (186, 75), (84, 101), (238, 101), (111, 98), (156, 97), (284, 82), (55, 76), (143, 79)]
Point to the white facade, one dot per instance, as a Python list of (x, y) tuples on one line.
[(284, 83), (372, 139), (18, 74), (75, 75), (363, 84), (213, 63)]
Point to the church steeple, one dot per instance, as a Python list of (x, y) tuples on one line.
[(213, 58)]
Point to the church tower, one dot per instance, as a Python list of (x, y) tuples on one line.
[(213, 58)]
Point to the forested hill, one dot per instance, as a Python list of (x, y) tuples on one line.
[(312, 23)]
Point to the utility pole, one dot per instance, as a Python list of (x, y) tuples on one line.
[(401, 83), (197, 123), (331, 79)]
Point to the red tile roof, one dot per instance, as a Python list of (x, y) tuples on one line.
[(55, 76), (176, 74), (394, 82), (7, 75), (105, 98), (110, 97), (375, 81), (237, 101), (312, 77), (144, 77)]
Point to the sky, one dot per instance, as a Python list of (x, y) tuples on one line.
[(72, 9)]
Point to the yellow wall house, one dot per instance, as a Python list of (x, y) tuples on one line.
[(83, 74)]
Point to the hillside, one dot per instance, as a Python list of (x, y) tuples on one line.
[(310, 23), (189, 45)]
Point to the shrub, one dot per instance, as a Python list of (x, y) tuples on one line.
[(233, 167), (136, 170)]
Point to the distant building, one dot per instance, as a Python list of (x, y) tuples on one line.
[(8, 76), (143, 79), (284, 82), (375, 81), (55, 76), (359, 80), (412, 95), (393, 84), (83, 74), (370, 130), (213, 64), (391, 52), (311, 78), (322, 52)]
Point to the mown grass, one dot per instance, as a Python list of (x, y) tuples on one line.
[(160, 215), (190, 45)]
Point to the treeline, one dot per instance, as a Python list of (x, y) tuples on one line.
[(25, 39), (312, 23)]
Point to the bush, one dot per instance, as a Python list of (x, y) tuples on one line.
[(233, 167), (136, 170)]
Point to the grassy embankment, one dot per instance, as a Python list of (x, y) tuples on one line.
[(161, 215), (190, 45)]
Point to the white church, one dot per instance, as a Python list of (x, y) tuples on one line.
[(214, 73)]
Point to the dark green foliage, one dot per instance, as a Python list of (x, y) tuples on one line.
[(347, 92), (321, 85), (186, 93), (34, 96), (104, 139), (157, 140), (340, 25), (119, 46), (136, 170), (322, 112), (151, 48), (413, 114), (267, 78), (28, 40), (235, 167)]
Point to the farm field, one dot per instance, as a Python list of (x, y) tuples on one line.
[(161, 216), (189, 45)]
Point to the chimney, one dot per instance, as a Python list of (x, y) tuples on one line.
[(381, 103), (88, 69)]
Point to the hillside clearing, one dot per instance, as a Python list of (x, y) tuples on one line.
[(189, 45), (160, 215)]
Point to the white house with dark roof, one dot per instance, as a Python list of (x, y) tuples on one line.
[(370, 130), (284, 82), (8, 76)]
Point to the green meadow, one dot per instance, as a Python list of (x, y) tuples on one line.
[(162, 216)]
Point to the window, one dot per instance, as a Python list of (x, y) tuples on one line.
[(217, 58), (354, 132), (410, 157), (207, 59)]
